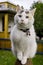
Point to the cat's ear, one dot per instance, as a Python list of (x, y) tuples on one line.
[(33, 11), (18, 8)]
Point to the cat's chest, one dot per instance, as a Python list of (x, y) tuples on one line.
[(20, 35), (23, 35)]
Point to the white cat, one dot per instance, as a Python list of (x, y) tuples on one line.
[(23, 37)]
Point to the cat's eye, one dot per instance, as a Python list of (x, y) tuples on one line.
[(20, 16), (27, 16)]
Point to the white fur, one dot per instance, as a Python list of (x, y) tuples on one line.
[(23, 46)]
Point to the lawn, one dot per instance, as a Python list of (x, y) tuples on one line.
[(7, 58)]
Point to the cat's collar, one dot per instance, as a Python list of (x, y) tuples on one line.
[(24, 30), (27, 31)]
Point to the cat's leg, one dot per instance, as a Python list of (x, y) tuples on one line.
[(24, 58), (19, 55), (33, 50), (13, 49)]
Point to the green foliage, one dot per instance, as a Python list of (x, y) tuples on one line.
[(38, 18)]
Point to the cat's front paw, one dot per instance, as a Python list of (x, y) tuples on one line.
[(24, 60), (19, 56)]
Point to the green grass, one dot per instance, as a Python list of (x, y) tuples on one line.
[(7, 58), (38, 60)]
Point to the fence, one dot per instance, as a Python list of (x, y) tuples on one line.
[(6, 44), (40, 47)]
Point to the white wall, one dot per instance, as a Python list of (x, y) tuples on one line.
[(0, 24)]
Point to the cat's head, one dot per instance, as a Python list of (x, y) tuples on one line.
[(24, 18)]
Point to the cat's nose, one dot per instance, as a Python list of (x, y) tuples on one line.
[(22, 20)]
